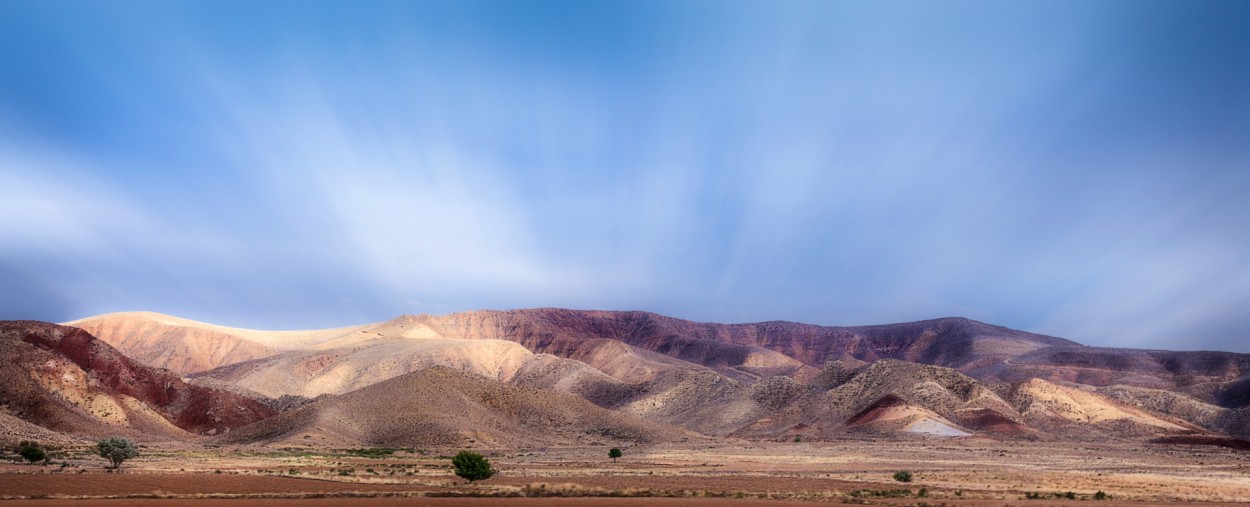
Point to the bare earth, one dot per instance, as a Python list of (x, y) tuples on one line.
[(968, 472)]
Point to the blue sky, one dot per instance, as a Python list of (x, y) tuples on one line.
[(1073, 168)]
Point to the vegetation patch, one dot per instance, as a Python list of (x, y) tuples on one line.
[(372, 452), (32, 452), (472, 466), (880, 493), (1065, 495)]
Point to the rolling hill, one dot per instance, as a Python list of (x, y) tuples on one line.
[(941, 377), (440, 406), (186, 346), (63, 379)]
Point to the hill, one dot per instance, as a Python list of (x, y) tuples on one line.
[(443, 407), (186, 346), (897, 397), (63, 379), (756, 380), (754, 349)]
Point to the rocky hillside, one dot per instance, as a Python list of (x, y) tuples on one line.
[(443, 407), (186, 346), (892, 396), (770, 347), (64, 379), (164, 344), (942, 378)]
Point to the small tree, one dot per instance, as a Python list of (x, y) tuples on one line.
[(614, 453), (31, 451), (902, 476), (472, 466), (116, 450)]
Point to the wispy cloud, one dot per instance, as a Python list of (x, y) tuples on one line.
[(54, 204), (1060, 168)]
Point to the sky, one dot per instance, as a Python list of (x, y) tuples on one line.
[(1074, 168)]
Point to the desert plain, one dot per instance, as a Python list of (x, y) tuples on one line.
[(770, 413), (971, 472)]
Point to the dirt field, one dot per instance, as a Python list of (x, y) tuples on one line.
[(967, 472), (420, 502)]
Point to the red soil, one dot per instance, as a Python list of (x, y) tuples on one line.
[(1231, 443), (96, 484), (418, 502), (991, 421)]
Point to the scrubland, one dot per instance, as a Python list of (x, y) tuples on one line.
[(973, 472)]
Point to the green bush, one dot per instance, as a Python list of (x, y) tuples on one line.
[(472, 466), (116, 450), (615, 453), (372, 452), (1100, 496), (32, 452), (880, 493), (902, 476)]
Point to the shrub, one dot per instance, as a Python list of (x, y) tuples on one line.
[(372, 452), (472, 466), (32, 452), (1100, 496), (902, 476), (614, 453), (116, 450), (880, 493)]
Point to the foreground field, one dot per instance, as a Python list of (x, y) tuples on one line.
[(963, 472)]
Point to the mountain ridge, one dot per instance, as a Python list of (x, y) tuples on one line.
[(62, 377), (943, 377)]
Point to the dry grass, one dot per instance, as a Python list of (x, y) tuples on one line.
[(967, 472)]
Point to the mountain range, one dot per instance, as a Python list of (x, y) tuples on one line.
[(572, 377)]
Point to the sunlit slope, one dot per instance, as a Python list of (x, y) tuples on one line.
[(63, 379), (444, 407), (762, 380), (186, 346)]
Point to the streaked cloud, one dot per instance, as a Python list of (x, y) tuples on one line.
[(1074, 169)]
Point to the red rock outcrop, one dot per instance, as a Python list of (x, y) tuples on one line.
[(63, 378)]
